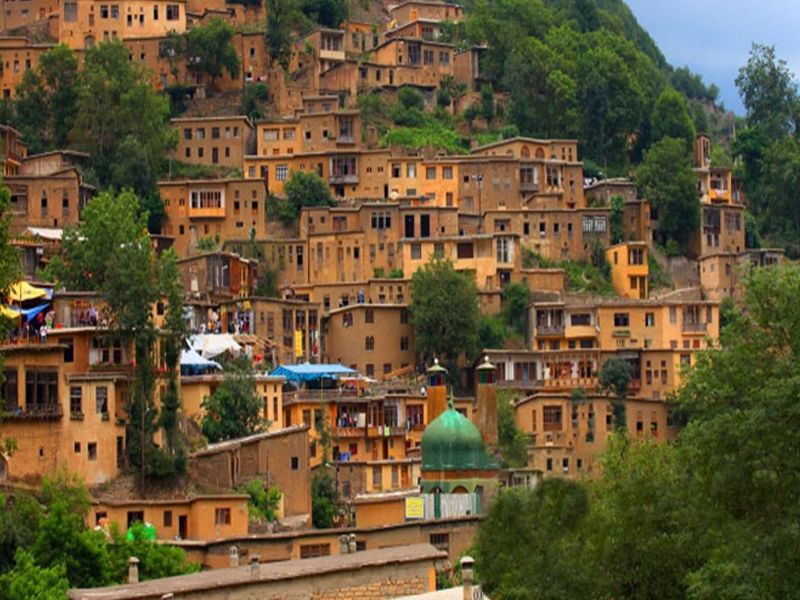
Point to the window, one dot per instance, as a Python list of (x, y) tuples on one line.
[(551, 420), (427, 57), (649, 320), (70, 12), (187, 134), (215, 133), (155, 12), (92, 450), (167, 518), (75, 399), (173, 12), (222, 516), (404, 343), (101, 399), (41, 391), (440, 541), (376, 477), (430, 173), (444, 59), (295, 463), (369, 316), (447, 173), (404, 316), (281, 172), (104, 11), (314, 550), (369, 343), (416, 252), (135, 516), (115, 11), (370, 370), (621, 320), (580, 319)]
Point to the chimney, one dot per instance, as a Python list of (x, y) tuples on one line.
[(133, 570), (234, 556), (255, 567), (436, 392), (344, 547), (487, 402), (467, 577), (351, 544)]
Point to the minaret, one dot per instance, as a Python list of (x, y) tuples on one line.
[(487, 402), (437, 391)]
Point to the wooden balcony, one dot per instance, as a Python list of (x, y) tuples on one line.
[(694, 328), (48, 412)]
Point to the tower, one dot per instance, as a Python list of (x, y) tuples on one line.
[(437, 391), (487, 402)]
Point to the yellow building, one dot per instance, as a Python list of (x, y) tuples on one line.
[(629, 269)]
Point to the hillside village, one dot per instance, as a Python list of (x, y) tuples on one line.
[(309, 304)]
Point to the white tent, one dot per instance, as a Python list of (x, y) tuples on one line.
[(211, 345), (191, 358)]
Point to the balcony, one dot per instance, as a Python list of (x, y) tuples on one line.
[(327, 54), (550, 330), (346, 139), (204, 213), (48, 412), (343, 179), (380, 431), (350, 432), (694, 328), (528, 186)]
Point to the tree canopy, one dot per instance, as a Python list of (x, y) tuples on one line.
[(235, 409), (444, 311)]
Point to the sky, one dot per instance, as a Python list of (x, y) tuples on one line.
[(713, 37)]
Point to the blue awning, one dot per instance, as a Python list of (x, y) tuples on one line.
[(308, 372)]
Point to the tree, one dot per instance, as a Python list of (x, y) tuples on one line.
[(615, 376), (617, 219), (46, 103), (513, 442), (491, 332), (487, 103), (324, 497), (444, 311), (235, 409), (532, 531), (666, 179), (210, 49), (156, 560), (671, 119), (28, 581), (328, 13), (280, 15), (515, 306), (768, 92), (117, 101), (254, 99), (302, 190), (175, 330), (172, 50), (9, 274)]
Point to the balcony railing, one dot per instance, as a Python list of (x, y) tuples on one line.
[(528, 186), (694, 327), (343, 179), (550, 329), (350, 432), (346, 139), (40, 413)]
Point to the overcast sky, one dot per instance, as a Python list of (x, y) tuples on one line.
[(713, 37)]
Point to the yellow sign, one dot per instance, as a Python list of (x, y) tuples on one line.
[(298, 342), (415, 508)]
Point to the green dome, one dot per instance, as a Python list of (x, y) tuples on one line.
[(453, 443)]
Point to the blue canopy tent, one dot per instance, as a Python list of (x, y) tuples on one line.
[(193, 364), (307, 372)]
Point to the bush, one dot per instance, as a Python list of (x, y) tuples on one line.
[(411, 97)]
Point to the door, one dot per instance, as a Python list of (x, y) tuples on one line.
[(183, 527), (424, 226), (385, 449), (409, 226)]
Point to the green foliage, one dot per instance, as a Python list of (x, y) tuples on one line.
[(728, 313), (769, 92), (302, 190), (444, 311), (156, 560), (267, 285), (691, 85), (208, 244), (671, 119), (172, 50), (235, 409), (617, 219), (210, 49), (581, 276), (615, 376), (487, 103), (9, 274), (255, 99), (117, 103), (324, 497), (656, 277), (752, 239), (410, 97), (46, 102), (513, 442), (444, 99), (666, 179), (529, 532), (264, 501), (28, 581), (280, 16), (515, 306), (491, 332)]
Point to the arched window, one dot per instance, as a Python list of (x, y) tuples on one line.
[(526, 153), (539, 153)]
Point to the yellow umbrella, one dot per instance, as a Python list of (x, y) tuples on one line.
[(23, 291), (8, 313)]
